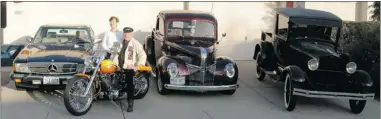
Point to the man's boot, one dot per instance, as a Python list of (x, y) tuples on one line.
[(130, 105)]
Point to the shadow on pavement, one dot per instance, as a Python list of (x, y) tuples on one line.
[(273, 92)]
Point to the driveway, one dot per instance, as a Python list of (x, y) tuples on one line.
[(252, 100)]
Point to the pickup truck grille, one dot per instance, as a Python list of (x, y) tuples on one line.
[(196, 77), (331, 63), (59, 68)]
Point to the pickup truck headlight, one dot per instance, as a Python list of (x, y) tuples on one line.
[(351, 67), (21, 67), (172, 69), (229, 70), (313, 64)]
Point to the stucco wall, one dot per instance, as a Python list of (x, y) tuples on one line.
[(26, 17), (242, 21), (345, 10)]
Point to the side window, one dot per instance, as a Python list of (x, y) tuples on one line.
[(282, 26)]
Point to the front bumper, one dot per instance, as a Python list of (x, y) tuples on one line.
[(338, 95), (35, 81), (201, 88)]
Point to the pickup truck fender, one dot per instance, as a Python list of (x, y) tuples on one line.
[(362, 77), (269, 60), (221, 62), (164, 61), (296, 73)]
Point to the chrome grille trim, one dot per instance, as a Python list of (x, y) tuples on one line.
[(193, 68), (62, 67), (204, 55)]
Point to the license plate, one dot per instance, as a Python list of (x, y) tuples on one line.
[(178, 81), (51, 80)]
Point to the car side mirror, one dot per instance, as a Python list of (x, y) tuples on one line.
[(223, 35), (29, 39)]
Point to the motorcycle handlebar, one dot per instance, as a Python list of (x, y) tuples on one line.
[(140, 68)]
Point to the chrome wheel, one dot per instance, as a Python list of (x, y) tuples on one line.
[(74, 101), (159, 84), (259, 72), (288, 97)]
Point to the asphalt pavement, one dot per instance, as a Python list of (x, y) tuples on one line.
[(253, 100)]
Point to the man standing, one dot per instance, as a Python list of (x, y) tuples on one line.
[(112, 35), (131, 55)]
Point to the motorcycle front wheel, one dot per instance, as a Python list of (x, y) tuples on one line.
[(74, 102)]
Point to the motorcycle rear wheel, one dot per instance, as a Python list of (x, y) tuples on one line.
[(72, 98), (144, 85)]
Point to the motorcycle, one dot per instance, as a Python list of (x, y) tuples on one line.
[(102, 76)]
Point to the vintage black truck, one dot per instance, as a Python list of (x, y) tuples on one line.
[(302, 51), (182, 53)]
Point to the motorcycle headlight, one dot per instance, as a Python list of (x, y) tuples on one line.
[(229, 70), (351, 67), (21, 67), (172, 69), (313, 64)]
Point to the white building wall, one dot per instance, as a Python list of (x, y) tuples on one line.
[(25, 18), (344, 10), (242, 21)]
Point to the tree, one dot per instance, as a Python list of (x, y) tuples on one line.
[(376, 11)]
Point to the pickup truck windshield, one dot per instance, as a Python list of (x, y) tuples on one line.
[(192, 28), (312, 31)]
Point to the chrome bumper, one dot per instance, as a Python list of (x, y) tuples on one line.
[(337, 95), (201, 88), (28, 76)]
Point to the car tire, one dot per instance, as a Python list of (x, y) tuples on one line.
[(259, 72), (357, 106), (160, 84), (288, 98), (228, 92)]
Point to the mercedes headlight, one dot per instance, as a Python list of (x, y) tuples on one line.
[(313, 64), (351, 67), (21, 67), (229, 70), (172, 69)]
